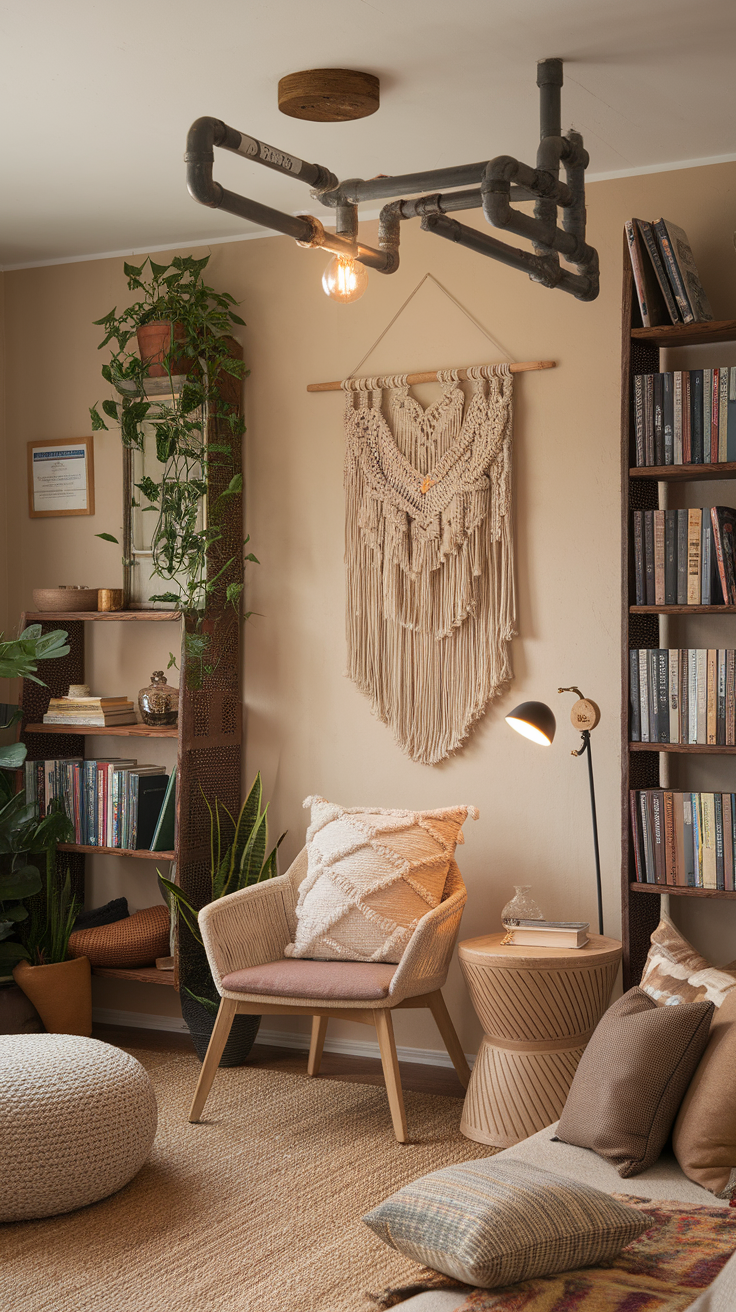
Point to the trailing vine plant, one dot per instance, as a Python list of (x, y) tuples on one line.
[(200, 347)]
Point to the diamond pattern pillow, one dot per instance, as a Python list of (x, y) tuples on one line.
[(372, 875)]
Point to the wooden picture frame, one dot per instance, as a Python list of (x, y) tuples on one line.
[(63, 488)]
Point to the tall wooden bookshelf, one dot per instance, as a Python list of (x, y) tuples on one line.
[(645, 626)]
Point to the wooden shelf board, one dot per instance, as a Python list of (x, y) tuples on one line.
[(677, 891), (110, 730), (141, 853), (139, 974), (687, 334), (696, 749), (682, 610), (43, 616), (685, 473)]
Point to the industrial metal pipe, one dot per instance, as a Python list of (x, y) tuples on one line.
[(540, 269), (356, 190)]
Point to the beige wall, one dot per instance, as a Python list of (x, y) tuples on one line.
[(308, 729)]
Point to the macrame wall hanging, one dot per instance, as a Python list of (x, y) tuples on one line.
[(430, 606)]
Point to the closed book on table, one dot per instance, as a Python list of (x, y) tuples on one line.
[(674, 696), (659, 419), (659, 592), (639, 579), (681, 557), (708, 821), (694, 534), (635, 716), (658, 836), (644, 695), (696, 415), (688, 875), (547, 936)]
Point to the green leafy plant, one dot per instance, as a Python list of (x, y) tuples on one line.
[(201, 320), (46, 934), (238, 859)]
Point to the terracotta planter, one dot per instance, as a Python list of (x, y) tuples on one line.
[(61, 994), (154, 342)]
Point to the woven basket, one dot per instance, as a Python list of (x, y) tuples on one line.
[(135, 941)]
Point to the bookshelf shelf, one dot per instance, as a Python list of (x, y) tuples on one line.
[(695, 749), (139, 974), (677, 891), (685, 334), (685, 473), (159, 616), (109, 730), (682, 610), (142, 853)]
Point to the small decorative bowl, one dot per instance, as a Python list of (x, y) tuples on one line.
[(71, 598)]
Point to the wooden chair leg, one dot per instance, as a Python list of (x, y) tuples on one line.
[(212, 1056), (390, 1062), (319, 1030), (436, 1004)]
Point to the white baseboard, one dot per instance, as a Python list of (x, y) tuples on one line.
[(143, 1020)]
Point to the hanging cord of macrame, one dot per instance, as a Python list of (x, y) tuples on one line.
[(455, 302)]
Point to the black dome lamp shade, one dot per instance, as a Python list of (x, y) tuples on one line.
[(534, 720)]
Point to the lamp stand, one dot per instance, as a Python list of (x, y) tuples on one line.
[(586, 750)]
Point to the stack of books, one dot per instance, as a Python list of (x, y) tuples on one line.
[(546, 933), (111, 802), (90, 710), (685, 557), (683, 695), (687, 417), (666, 278), (685, 839)]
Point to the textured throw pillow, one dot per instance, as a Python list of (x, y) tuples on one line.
[(674, 972), (135, 941), (494, 1223), (632, 1078), (704, 1137), (372, 875)]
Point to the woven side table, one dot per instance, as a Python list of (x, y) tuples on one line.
[(538, 1008)]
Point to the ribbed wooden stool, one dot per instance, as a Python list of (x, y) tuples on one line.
[(538, 1008)]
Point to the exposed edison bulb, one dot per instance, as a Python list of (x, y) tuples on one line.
[(345, 279)]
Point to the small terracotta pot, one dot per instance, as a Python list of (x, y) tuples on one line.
[(110, 599), (154, 342), (61, 994)]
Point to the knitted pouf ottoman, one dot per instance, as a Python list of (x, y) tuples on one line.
[(77, 1122)]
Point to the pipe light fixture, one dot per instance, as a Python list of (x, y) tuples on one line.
[(490, 185)]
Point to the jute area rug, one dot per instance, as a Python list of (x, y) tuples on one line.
[(256, 1209)]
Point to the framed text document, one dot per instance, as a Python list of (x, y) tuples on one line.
[(61, 478)]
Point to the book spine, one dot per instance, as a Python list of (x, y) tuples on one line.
[(694, 533), (670, 860), (696, 415), (673, 272), (640, 450), (701, 681), (674, 664), (653, 681), (639, 579), (663, 695), (659, 557), (721, 712), (684, 708), (670, 557), (687, 842), (133, 832), (658, 835), (634, 697), (708, 820), (678, 804), (638, 274), (658, 420), (649, 419), (668, 417), (714, 396), (707, 407), (697, 840), (733, 840), (649, 556), (723, 388), (644, 696), (718, 830), (681, 557), (731, 697), (651, 244), (711, 703), (728, 842), (706, 561), (687, 453), (677, 429), (731, 419), (645, 812), (100, 807), (718, 544), (692, 695), (636, 839)]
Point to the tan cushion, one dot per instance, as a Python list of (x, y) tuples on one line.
[(704, 1137), (363, 981), (632, 1078), (674, 972), (135, 941), (372, 875), (494, 1224)]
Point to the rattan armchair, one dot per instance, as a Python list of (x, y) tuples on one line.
[(245, 935)]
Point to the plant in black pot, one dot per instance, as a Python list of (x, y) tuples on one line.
[(238, 858)]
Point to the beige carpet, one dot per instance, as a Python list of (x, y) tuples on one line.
[(256, 1209)]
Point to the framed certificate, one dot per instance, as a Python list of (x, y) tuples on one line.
[(61, 478)]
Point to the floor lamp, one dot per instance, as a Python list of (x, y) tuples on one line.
[(536, 721)]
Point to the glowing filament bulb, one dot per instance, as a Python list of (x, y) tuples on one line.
[(344, 279)]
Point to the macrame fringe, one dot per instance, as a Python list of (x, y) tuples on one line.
[(431, 604)]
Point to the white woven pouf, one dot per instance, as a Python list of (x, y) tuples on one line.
[(77, 1122)]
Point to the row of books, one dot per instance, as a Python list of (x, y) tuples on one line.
[(684, 839), (682, 695), (90, 710), (686, 417), (685, 557), (111, 802), (668, 286)]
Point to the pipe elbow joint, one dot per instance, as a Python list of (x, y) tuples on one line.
[(202, 186)]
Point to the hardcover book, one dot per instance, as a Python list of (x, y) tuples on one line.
[(650, 243), (651, 301), (683, 272)]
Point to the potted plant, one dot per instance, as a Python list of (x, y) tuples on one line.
[(237, 859), (59, 987)]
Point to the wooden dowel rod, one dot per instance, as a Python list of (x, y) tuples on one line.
[(430, 376)]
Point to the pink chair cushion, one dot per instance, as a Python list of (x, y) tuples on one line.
[(358, 981)]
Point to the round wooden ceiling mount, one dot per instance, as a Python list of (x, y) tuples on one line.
[(329, 95)]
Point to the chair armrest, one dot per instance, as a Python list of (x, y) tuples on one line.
[(248, 928), (423, 967)]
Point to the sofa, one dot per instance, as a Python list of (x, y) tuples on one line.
[(664, 1180)]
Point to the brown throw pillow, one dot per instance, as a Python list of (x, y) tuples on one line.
[(632, 1078), (135, 941), (674, 972), (704, 1137)]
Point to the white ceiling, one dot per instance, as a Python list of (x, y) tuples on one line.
[(97, 97)]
